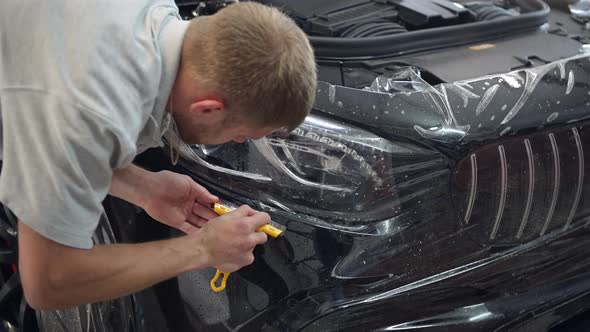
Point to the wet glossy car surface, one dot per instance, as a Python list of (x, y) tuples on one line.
[(477, 221), (428, 190)]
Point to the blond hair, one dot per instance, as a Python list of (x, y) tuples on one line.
[(258, 60)]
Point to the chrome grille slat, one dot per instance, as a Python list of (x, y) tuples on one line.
[(556, 180), (503, 189), (473, 191), (531, 187), (580, 177)]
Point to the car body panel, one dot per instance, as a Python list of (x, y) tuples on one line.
[(496, 239)]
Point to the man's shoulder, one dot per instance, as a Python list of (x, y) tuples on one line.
[(101, 54)]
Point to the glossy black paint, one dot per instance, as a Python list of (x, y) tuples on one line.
[(434, 268), (484, 251)]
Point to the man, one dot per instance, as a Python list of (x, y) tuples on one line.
[(85, 86)]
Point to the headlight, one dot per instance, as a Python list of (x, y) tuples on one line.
[(325, 168)]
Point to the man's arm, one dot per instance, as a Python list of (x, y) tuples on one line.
[(127, 183), (173, 199), (55, 276)]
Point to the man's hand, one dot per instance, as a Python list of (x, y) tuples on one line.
[(227, 241), (173, 199), (55, 276), (178, 201)]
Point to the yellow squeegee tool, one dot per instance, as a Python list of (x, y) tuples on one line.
[(271, 229)]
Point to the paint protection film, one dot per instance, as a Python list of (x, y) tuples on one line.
[(469, 198), (329, 169)]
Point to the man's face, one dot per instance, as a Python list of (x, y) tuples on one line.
[(216, 125), (236, 133), (222, 133)]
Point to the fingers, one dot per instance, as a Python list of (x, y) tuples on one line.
[(202, 195), (244, 211), (258, 219), (259, 238), (250, 218), (204, 211), (196, 221), (232, 237)]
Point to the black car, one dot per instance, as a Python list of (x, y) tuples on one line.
[(441, 183)]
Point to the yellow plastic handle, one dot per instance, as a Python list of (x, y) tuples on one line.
[(221, 287), (272, 229)]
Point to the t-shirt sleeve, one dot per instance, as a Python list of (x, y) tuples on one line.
[(58, 160)]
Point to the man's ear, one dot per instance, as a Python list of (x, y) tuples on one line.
[(208, 108)]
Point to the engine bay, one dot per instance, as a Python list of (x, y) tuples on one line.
[(371, 18), (356, 41), (366, 18)]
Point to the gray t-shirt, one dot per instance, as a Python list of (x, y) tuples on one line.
[(83, 89)]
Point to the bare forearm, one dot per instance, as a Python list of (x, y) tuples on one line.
[(104, 272), (110, 271), (127, 184)]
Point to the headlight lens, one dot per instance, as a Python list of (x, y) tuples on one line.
[(325, 168)]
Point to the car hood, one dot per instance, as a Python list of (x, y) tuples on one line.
[(463, 112)]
